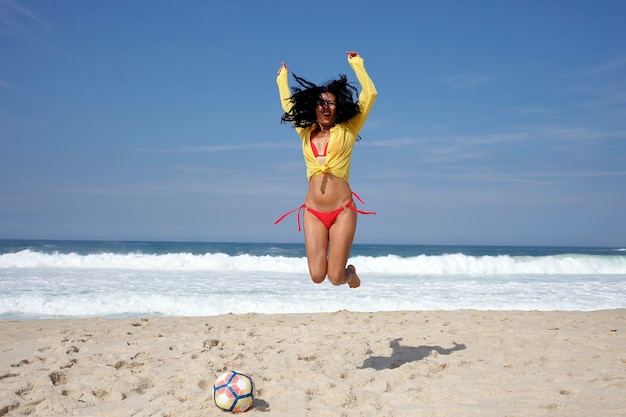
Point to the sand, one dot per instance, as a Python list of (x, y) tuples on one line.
[(425, 363)]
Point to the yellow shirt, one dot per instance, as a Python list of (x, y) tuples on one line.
[(342, 136)]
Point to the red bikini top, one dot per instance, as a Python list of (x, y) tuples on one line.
[(316, 153)]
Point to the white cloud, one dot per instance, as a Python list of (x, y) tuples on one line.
[(605, 67), (538, 111), (225, 148), (463, 81), (5, 84), (12, 16)]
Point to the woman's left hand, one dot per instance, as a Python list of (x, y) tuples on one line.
[(282, 66)]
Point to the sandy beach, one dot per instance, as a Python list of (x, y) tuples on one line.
[(424, 363)]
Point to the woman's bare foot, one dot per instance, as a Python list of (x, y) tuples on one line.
[(354, 280)]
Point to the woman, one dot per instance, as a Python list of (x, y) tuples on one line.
[(328, 122)]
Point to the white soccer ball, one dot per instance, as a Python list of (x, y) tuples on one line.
[(233, 391)]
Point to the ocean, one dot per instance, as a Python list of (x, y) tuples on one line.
[(66, 279)]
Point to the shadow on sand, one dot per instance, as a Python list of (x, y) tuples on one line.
[(404, 354), (261, 405)]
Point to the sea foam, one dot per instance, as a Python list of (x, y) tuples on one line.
[(446, 264)]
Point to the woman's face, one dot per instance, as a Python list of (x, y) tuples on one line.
[(326, 110)]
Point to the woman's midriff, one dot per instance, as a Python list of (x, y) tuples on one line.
[(327, 193)]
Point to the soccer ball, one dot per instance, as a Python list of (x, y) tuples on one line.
[(233, 391)]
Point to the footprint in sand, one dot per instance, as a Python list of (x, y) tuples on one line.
[(21, 363), (59, 378)]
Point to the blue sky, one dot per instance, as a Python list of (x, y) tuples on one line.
[(497, 122)]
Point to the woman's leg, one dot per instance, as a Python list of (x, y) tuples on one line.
[(341, 235), (316, 244)]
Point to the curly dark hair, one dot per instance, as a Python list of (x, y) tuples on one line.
[(306, 97)]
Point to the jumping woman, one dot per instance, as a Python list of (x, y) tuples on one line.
[(328, 120)]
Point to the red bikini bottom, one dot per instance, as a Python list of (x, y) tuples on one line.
[(326, 217)]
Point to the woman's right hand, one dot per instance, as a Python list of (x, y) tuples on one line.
[(282, 66)]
